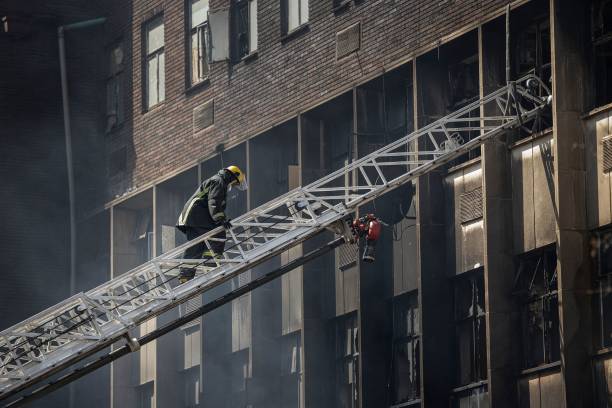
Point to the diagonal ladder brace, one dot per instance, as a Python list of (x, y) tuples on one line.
[(86, 323)]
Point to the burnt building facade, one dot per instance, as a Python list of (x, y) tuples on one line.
[(491, 286)]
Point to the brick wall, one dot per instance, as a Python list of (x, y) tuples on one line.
[(285, 78)]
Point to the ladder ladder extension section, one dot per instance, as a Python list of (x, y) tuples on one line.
[(88, 322)]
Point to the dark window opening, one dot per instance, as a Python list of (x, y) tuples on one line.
[(405, 383), (191, 387), (470, 328), (240, 371), (601, 243), (531, 54), (601, 37), (536, 287), (115, 103), (244, 28), (347, 361)]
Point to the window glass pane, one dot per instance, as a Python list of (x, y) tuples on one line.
[(155, 36), (199, 12), (303, 11), (162, 78), (293, 14), (152, 95), (252, 25)]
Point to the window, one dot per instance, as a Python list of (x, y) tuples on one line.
[(536, 287), (291, 369), (347, 361), (198, 40), (154, 65), (244, 28), (115, 107), (532, 51), (295, 14), (602, 250), (602, 46), (470, 328), (405, 384)]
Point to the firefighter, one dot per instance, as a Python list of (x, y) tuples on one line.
[(205, 211)]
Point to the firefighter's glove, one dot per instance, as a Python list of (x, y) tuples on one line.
[(227, 224)]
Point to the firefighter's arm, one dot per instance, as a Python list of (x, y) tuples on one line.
[(216, 202)]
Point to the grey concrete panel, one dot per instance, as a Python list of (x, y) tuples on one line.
[(522, 197), (472, 235), (544, 192)]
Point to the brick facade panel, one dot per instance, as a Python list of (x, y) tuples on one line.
[(285, 78)]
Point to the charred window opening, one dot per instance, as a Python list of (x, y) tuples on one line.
[(115, 104), (198, 40), (291, 369), (531, 54), (470, 328), (463, 82), (601, 251), (601, 37), (536, 288), (244, 28), (347, 361), (384, 110), (191, 366), (406, 384)]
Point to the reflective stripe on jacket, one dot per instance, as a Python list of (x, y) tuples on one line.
[(206, 207)]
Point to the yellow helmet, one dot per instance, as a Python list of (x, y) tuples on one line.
[(240, 177)]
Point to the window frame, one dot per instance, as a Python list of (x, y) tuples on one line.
[(602, 244), (149, 56), (345, 361), (533, 302), (406, 302), (302, 24), (475, 320), (204, 31), (117, 78), (237, 54)]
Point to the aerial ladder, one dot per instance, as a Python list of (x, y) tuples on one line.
[(55, 344)]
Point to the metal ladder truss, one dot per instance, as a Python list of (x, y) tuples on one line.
[(88, 322)]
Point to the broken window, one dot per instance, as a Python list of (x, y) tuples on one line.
[(291, 369), (155, 62), (347, 361), (240, 371), (470, 328), (405, 384), (463, 85), (601, 36), (602, 251), (295, 14), (244, 28), (115, 105), (532, 55), (476, 397), (198, 40), (191, 365), (536, 287)]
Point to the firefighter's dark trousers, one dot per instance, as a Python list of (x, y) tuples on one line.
[(200, 250)]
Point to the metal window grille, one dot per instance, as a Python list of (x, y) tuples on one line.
[(607, 154), (470, 205), (348, 40), (203, 116)]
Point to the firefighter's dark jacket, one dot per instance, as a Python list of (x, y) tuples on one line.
[(206, 207)]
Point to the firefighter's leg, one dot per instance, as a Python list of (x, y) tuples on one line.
[(193, 252)]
